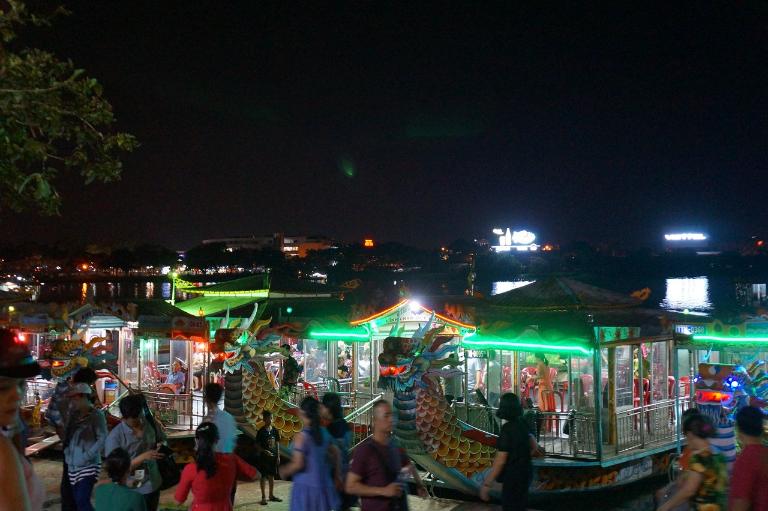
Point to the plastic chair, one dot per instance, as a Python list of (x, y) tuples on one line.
[(527, 383), (506, 379), (310, 389), (685, 381)]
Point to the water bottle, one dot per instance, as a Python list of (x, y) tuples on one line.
[(402, 480)]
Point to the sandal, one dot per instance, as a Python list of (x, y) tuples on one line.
[(263, 502), (274, 499)]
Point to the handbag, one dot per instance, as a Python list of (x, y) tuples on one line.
[(169, 470), (667, 493)]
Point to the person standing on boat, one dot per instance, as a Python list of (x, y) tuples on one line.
[(20, 488), (704, 484), (290, 368), (546, 391), (749, 481), (512, 464), (375, 474)]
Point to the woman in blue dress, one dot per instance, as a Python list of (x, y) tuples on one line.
[(313, 454)]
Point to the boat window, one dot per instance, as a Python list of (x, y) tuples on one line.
[(130, 361), (345, 364), (582, 378), (476, 374), (493, 378), (509, 382), (364, 360), (661, 381), (624, 377), (315, 359)]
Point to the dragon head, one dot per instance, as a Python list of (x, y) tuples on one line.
[(69, 355), (260, 342), (406, 362)]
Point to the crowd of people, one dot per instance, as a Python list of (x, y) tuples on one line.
[(324, 478)]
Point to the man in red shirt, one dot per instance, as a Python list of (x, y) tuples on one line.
[(749, 481), (376, 465)]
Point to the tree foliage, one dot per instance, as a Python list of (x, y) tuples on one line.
[(53, 119)]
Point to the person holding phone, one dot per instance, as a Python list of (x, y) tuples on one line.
[(138, 438)]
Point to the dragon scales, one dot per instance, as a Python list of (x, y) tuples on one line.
[(250, 390), (426, 424)]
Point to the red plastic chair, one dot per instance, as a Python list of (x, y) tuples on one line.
[(526, 386), (506, 379), (685, 381), (310, 389)]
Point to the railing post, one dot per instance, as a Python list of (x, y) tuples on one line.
[(641, 392), (598, 384), (676, 375)]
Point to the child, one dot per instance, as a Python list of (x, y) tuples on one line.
[(116, 496), (268, 443)]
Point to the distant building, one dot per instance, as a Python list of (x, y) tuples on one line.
[(299, 246), (291, 246)]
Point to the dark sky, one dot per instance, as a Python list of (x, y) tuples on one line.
[(422, 123)]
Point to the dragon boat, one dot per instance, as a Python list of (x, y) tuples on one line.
[(606, 378)]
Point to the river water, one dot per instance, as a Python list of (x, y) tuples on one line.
[(700, 294)]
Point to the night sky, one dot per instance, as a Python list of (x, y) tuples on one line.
[(421, 123)]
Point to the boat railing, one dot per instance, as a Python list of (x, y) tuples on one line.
[(38, 388), (113, 408), (649, 425), (482, 417), (176, 411), (361, 420), (350, 399), (567, 434)]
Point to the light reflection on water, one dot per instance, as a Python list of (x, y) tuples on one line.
[(687, 294), (503, 286)]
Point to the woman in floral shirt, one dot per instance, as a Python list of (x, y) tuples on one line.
[(704, 486)]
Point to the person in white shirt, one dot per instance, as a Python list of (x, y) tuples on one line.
[(224, 421)]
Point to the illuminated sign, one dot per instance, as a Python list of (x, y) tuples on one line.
[(368, 243), (686, 236), (521, 241)]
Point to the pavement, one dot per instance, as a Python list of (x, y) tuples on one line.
[(248, 495)]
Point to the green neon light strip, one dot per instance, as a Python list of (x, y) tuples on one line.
[(716, 338), (501, 344), (339, 335)]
